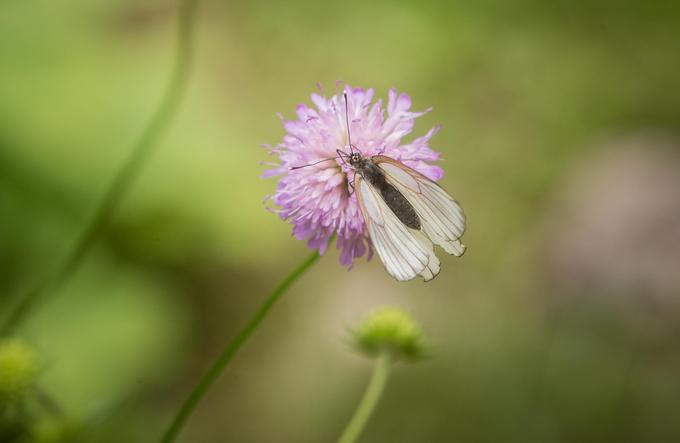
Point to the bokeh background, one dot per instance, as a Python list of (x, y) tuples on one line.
[(560, 136)]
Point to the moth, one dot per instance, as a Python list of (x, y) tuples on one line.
[(405, 213)]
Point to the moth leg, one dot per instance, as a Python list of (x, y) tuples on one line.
[(342, 156), (351, 185)]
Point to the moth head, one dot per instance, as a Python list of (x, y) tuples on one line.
[(355, 158)]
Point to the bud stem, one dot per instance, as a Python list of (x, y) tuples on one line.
[(370, 399)]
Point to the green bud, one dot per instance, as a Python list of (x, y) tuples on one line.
[(390, 330), (54, 430), (18, 371)]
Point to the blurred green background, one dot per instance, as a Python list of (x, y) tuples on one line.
[(560, 138)]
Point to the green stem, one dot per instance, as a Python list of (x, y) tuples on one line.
[(128, 172), (231, 350), (49, 403), (370, 399)]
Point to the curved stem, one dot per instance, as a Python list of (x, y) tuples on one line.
[(128, 172), (231, 350), (370, 399), (48, 402)]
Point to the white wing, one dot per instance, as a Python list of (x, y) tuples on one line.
[(405, 252), (441, 217)]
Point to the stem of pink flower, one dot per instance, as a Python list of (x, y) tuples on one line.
[(125, 176), (230, 351), (370, 399)]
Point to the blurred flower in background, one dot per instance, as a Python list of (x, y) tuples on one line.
[(18, 372), (616, 230), (28, 414)]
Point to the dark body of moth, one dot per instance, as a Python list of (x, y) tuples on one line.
[(392, 197)]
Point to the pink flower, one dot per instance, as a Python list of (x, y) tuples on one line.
[(317, 200)]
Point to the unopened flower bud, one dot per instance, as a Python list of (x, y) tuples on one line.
[(18, 371), (390, 330)]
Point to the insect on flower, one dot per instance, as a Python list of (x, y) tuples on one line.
[(401, 212)]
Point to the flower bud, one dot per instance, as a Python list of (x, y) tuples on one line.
[(391, 330), (50, 429), (18, 371)]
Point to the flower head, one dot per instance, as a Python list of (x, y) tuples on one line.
[(317, 199), (392, 330), (18, 371)]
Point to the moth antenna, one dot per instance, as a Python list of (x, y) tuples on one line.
[(292, 168), (349, 136)]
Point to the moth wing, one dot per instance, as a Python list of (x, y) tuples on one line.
[(405, 252), (441, 217)]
